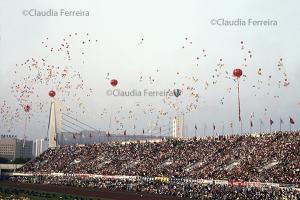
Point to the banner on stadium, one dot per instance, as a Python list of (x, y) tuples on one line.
[(162, 179), (220, 182)]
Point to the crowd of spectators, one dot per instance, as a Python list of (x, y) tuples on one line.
[(178, 189), (262, 158)]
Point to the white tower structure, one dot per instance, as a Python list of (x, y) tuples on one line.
[(178, 127), (54, 126), (39, 147)]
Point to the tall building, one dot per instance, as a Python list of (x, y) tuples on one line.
[(178, 127), (39, 147), (12, 148)]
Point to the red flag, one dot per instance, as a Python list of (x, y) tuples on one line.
[(292, 121)]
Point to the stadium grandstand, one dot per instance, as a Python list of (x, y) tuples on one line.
[(254, 166)]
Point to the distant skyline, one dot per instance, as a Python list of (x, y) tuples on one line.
[(154, 46)]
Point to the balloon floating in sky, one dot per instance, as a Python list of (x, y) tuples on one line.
[(52, 93), (114, 82), (177, 92), (237, 72), (27, 108)]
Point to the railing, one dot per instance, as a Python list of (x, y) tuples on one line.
[(165, 179)]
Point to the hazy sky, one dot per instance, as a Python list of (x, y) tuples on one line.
[(120, 26)]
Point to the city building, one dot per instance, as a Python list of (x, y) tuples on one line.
[(11, 147), (40, 145), (178, 127)]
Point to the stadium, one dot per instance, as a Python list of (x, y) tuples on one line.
[(250, 166), (136, 99)]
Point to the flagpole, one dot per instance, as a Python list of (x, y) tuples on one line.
[(280, 124), (241, 126), (223, 129), (109, 126), (160, 132), (125, 137), (260, 126), (99, 136), (134, 132)]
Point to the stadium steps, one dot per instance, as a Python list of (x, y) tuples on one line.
[(232, 165), (269, 165), (193, 166), (167, 162)]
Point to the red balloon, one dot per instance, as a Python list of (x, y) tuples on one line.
[(237, 73), (114, 82), (52, 93), (27, 108)]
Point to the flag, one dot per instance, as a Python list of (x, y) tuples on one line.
[(214, 127), (271, 121), (292, 121)]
